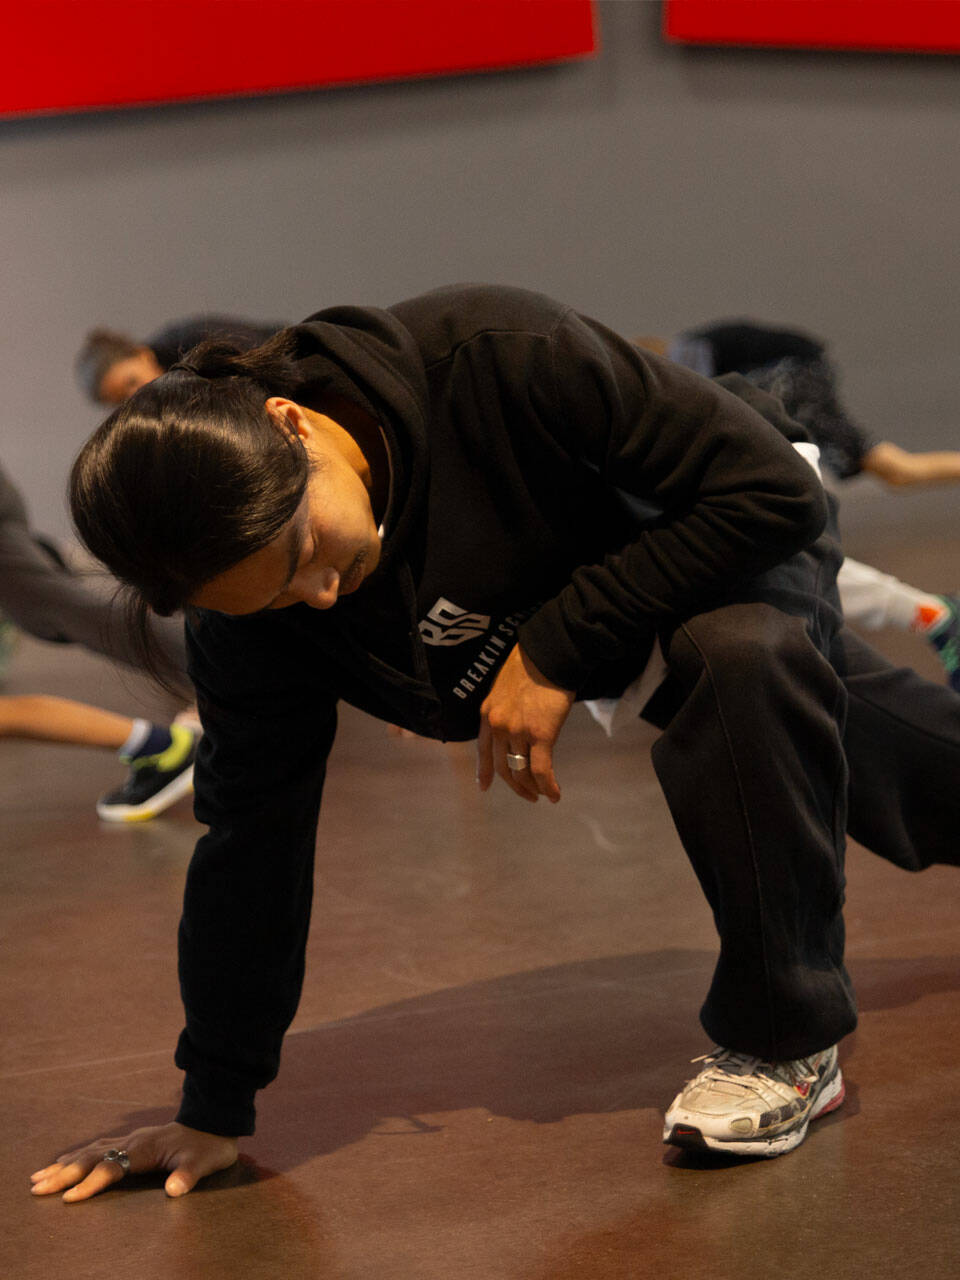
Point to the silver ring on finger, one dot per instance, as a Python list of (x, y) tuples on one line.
[(119, 1157), (517, 762)]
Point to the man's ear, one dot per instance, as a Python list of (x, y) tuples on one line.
[(288, 416)]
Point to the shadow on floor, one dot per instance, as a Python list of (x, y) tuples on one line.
[(606, 1035)]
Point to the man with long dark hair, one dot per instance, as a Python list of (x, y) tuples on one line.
[(461, 514)]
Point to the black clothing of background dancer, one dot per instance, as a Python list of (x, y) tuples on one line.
[(794, 366), (461, 514)]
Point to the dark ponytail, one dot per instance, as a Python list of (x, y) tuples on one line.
[(190, 475), (272, 365)]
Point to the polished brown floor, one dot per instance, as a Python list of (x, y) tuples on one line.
[(500, 999)]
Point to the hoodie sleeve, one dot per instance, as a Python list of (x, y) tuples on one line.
[(243, 932), (733, 497)]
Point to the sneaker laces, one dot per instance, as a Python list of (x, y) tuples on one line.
[(732, 1063)]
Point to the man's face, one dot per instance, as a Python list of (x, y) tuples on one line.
[(325, 551), (127, 376)]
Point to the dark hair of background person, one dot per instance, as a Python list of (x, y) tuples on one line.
[(189, 476), (101, 350)]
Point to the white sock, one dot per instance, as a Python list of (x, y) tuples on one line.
[(138, 736), (876, 600)]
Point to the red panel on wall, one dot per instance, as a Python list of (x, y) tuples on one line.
[(64, 55), (919, 26)]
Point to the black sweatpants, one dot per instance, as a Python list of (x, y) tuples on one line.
[(782, 731)]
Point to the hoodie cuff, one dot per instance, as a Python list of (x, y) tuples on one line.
[(213, 1109), (545, 640)]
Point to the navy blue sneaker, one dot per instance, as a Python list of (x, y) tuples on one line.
[(154, 783), (945, 638)]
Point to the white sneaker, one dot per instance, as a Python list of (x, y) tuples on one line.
[(747, 1107)]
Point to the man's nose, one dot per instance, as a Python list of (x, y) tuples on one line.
[(318, 588)]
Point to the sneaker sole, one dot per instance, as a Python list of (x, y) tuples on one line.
[(181, 786), (691, 1138)]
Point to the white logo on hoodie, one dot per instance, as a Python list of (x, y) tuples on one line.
[(448, 624)]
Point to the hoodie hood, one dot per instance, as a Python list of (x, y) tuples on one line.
[(367, 356)]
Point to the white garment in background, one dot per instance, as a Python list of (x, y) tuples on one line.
[(875, 599)]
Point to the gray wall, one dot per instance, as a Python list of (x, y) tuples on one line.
[(651, 187)]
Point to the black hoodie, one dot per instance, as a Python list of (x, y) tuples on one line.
[(550, 483)]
